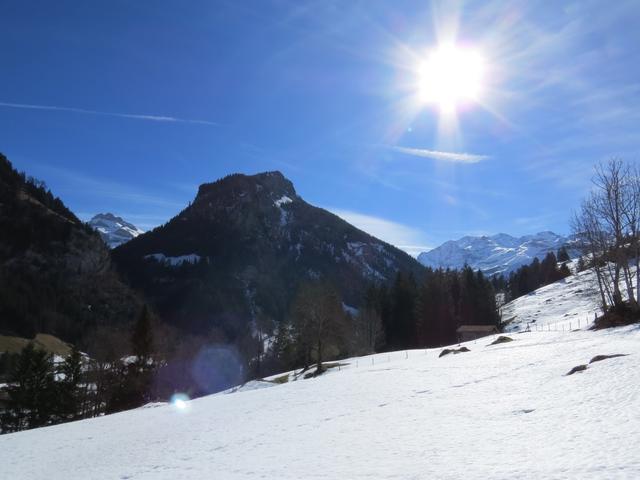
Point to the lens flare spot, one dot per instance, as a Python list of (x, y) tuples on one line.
[(180, 401)]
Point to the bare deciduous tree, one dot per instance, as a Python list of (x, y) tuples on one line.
[(608, 224), (368, 331), (317, 319)]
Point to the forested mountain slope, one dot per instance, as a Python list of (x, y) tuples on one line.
[(55, 272), (242, 249)]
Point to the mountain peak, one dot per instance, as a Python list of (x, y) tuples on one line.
[(241, 185), (256, 241), (114, 230)]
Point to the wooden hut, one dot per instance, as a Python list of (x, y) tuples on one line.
[(471, 332)]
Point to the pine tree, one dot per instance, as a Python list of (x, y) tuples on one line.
[(401, 332), (142, 338), (132, 381), (563, 255), (70, 401), (32, 396), (283, 348)]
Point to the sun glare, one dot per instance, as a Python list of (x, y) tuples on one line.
[(451, 77)]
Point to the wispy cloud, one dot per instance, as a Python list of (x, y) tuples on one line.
[(136, 116), (444, 156), (409, 239)]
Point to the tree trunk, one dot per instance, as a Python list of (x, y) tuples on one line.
[(319, 368), (600, 285), (628, 281), (617, 295), (637, 265)]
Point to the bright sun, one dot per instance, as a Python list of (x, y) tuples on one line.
[(450, 77)]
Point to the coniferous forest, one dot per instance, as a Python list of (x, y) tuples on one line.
[(537, 274)]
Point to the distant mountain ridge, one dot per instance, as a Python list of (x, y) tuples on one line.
[(494, 255), (114, 230), (243, 247)]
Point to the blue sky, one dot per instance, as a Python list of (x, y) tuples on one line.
[(128, 106)]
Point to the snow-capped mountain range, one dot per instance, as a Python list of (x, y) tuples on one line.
[(114, 230), (497, 254)]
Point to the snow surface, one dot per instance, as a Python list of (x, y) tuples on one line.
[(568, 304), (498, 254), (174, 261), (501, 411), (282, 201)]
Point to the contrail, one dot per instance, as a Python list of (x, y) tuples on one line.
[(446, 156), (153, 118)]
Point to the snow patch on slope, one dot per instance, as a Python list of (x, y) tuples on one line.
[(191, 258), (284, 215), (282, 201)]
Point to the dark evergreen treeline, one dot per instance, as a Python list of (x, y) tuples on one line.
[(537, 274), (36, 189), (427, 314), (404, 314), (31, 227), (42, 391), (36, 397)]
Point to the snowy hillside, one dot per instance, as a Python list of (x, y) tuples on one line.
[(114, 230), (498, 254), (570, 303), (494, 412)]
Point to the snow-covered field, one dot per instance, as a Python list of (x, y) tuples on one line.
[(496, 412)]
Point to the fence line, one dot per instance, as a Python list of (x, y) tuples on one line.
[(529, 327), (560, 326)]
